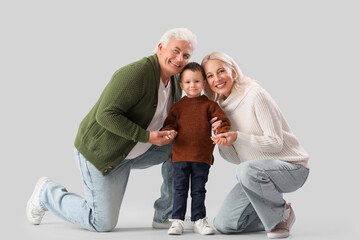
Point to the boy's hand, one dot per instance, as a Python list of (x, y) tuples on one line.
[(225, 139), (160, 138), (170, 135)]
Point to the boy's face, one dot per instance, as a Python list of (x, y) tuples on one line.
[(192, 83)]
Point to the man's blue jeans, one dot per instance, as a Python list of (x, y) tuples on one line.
[(99, 209)]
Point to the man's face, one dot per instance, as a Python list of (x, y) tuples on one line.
[(173, 57)]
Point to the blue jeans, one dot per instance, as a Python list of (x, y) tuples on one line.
[(198, 173), (256, 203), (99, 209)]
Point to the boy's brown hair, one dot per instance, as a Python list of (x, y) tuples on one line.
[(193, 66)]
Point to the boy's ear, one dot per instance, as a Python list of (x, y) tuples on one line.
[(181, 85)]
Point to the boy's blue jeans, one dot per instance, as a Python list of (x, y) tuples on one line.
[(99, 209), (198, 173), (256, 202)]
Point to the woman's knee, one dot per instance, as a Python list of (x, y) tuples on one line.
[(221, 226), (247, 174), (225, 224), (244, 172)]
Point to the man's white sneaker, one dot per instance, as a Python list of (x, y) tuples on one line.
[(34, 212), (160, 225), (177, 227), (201, 226)]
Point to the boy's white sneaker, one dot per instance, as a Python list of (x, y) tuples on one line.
[(201, 226), (177, 227), (188, 224), (34, 212)]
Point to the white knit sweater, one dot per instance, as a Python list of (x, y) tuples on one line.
[(263, 132)]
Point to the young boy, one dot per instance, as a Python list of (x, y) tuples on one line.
[(192, 148)]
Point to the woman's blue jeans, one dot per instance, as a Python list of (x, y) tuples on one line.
[(256, 203), (99, 209)]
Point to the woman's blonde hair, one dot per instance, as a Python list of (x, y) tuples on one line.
[(239, 80)]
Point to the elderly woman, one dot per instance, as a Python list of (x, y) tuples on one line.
[(269, 157)]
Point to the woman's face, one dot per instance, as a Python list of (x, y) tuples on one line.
[(219, 77)]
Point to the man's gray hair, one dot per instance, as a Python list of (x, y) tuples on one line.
[(183, 34)]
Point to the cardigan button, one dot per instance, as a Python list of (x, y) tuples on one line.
[(110, 167), (155, 105), (106, 171), (124, 155)]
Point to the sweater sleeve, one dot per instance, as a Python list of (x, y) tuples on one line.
[(229, 154), (170, 122), (216, 111), (123, 91), (269, 120)]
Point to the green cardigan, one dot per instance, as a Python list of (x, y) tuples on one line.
[(121, 115)]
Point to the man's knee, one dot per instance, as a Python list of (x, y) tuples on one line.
[(105, 226), (104, 223)]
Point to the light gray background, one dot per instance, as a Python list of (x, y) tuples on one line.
[(57, 56)]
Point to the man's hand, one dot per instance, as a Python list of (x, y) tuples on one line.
[(215, 124), (225, 139), (160, 138)]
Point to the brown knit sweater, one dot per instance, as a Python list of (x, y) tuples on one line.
[(190, 117)]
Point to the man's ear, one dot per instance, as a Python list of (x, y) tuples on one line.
[(160, 47)]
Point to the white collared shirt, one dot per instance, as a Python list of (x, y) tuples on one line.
[(162, 110)]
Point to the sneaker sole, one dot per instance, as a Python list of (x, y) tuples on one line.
[(38, 185), (282, 235), (158, 225), (188, 225), (174, 233), (205, 233)]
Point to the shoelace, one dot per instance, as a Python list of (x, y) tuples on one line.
[(203, 223), (177, 222), (36, 213)]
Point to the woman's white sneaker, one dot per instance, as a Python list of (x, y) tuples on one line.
[(34, 212), (282, 230)]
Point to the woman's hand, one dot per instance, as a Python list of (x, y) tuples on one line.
[(215, 124), (225, 139), (160, 138)]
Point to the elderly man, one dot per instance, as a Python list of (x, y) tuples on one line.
[(120, 133)]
